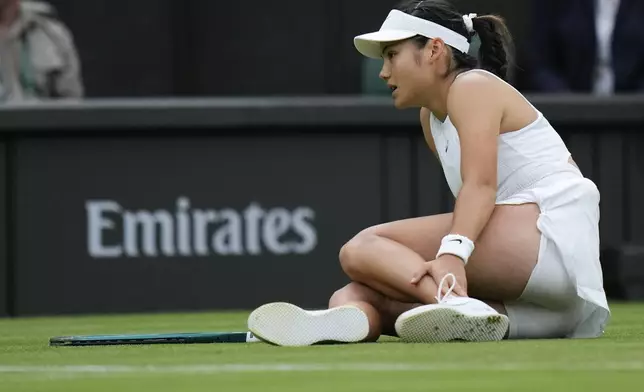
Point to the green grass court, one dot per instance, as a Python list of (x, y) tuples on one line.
[(612, 363)]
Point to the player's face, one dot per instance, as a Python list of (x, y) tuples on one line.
[(406, 74)]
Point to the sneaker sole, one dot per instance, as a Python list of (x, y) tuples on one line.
[(285, 324), (437, 325)]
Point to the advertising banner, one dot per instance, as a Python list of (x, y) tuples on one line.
[(163, 224)]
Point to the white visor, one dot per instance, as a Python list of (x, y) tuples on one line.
[(399, 26)]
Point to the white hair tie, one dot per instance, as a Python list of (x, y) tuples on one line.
[(468, 22)]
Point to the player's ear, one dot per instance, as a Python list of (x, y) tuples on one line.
[(433, 49)]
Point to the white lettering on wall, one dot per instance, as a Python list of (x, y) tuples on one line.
[(97, 223), (189, 231)]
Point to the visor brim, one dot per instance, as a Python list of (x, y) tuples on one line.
[(370, 44)]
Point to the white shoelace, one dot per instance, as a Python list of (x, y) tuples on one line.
[(440, 298)]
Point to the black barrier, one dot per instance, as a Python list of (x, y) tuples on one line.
[(124, 206), (6, 288), (163, 223), (343, 113)]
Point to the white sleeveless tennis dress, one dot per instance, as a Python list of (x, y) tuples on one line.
[(564, 296)]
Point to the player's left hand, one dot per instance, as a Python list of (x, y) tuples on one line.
[(440, 267)]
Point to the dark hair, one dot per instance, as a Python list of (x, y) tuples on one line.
[(496, 47)]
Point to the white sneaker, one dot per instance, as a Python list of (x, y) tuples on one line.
[(453, 318), (285, 324)]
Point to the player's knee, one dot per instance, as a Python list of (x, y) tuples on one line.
[(352, 253)]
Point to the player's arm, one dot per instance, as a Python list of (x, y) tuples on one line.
[(476, 111)]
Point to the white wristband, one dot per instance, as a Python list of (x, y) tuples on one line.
[(456, 245)]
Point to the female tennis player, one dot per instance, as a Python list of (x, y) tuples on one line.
[(519, 256)]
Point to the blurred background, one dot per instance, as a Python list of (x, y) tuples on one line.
[(203, 48), (167, 155)]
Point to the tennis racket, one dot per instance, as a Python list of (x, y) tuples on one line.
[(159, 338)]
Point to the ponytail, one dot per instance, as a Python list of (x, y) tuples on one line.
[(496, 47), (491, 46)]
